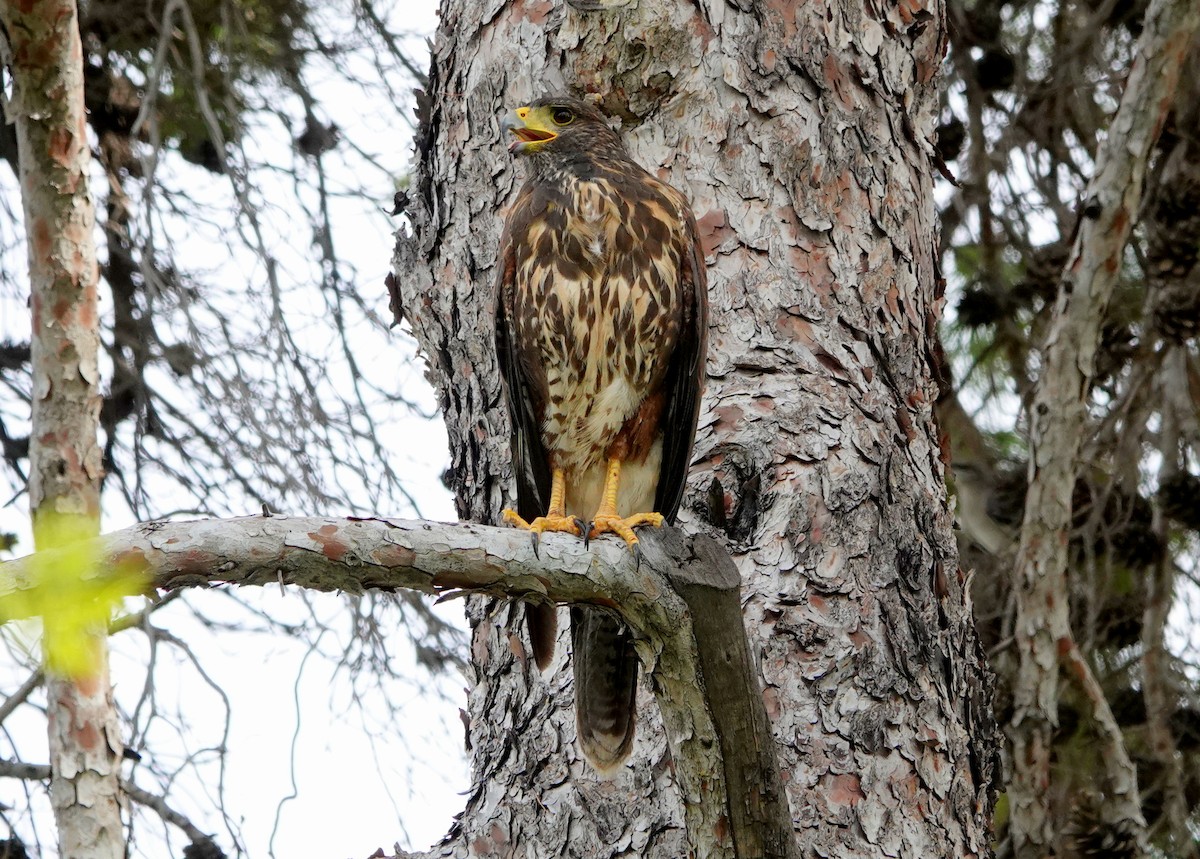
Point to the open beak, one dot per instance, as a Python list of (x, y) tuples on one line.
[(518, 123)]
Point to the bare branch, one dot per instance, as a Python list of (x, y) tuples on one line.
[(1157, 689), (717, 738), (352, 555), (156, 803), (159, 806), (24, 771), (16, 699), (1043, 635), (366, 9)]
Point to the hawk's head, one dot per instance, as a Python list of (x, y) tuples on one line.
[(558, 125)]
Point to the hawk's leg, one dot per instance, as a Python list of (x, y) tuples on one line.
[(608, 521), (556, 518)]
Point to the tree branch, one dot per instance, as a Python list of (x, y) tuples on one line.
[(1157, 688), (686, 590), (16, 699), (24, 771), (159, 806), (1057, 426), (154, 802)]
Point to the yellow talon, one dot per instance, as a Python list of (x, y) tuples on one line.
[(608, 521), (604, 523), (555, 518), (511, 517), (544, 524)]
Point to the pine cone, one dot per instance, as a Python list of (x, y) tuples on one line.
[(950, 138), (978, 307), (1137, 547), (12, 848), (1093, 836), (203, 849), (1180, 499), (1177, 316), (1043, 271), (995, 70)]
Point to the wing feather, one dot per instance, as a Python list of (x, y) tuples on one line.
[(525, 395), (524, 378), (684, 383)]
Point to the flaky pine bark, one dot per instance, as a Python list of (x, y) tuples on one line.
[(1057, 426), (801, 134), (46, 59)]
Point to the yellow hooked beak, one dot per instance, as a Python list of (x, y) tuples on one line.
[(531, 127)]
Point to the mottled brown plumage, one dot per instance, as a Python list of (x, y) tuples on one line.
[(600, 332)]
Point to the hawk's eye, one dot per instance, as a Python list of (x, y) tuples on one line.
[(562, 116)]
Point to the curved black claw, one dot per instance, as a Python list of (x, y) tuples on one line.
[(637, 556), (533, 541), (584, 529), (587, 534)]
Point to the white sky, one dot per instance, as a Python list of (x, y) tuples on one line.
[(360, 781)]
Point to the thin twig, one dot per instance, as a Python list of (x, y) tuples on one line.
[(159, 806), (16, 699)]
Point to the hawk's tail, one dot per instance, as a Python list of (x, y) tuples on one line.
[(606, 669), (542, 620)]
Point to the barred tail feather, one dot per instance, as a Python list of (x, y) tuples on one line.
[(606, 670)]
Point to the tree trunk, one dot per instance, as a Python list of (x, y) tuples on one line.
[(801, 133), (46, 59), (1057, 425)]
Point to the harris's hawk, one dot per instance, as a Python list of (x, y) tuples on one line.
[(601, 326)]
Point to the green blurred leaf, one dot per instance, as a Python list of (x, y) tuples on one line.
[(70, 592)]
